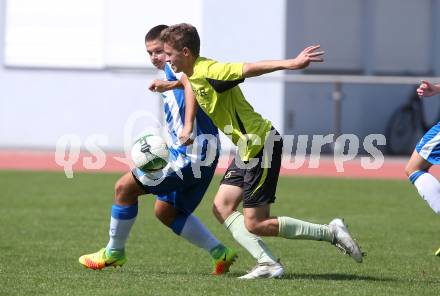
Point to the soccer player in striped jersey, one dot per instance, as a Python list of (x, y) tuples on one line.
[(426, 154), (179, 190), (253, 176)]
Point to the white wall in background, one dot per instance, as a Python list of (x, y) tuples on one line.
[(89, 34)]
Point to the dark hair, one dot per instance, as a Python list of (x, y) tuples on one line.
[(154, 32), (182, 35)]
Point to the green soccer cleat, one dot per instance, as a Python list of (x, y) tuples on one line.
[(222, 264), (437, 253), (100, 259)]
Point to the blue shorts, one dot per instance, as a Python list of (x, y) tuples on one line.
[(429, 145), (184, 194)]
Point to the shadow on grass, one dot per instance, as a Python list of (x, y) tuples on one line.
[(288, 276), (336, 277), (328, 277)]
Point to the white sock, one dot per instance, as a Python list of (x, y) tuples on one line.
[(252, 243), (196, 233), (428, 187), (119, 231), (122, 219)]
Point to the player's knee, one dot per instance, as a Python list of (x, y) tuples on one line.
[(218, 213), (215, 211), (123, 192), (222, 210), (224, 206), (119, 188)]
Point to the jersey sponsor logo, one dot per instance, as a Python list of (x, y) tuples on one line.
[(201, 92)]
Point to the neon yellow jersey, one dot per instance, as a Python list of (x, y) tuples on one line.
[(218, 94)]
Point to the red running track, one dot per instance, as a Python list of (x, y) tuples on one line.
[(392, 168)]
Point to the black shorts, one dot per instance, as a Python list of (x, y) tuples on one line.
[(259, 182)]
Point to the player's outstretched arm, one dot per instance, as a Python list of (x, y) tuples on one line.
[(301, 61), (427, 89), (190, 112), (164, 85)]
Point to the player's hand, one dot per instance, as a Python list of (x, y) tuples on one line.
[(159, 86), (305, 57), (426, 89), (185, 137)]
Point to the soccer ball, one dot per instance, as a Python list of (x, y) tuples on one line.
[(150, 153)]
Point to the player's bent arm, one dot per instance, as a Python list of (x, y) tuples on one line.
[(164, 85), (190, 111)]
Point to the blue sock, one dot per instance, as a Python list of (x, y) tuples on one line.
[(193, 230)]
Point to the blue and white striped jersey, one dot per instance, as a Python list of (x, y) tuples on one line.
[(204, 129)]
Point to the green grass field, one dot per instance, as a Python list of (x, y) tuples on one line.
[(47, 221)]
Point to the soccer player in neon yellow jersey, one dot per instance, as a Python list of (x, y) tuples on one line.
[(253, 176)]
